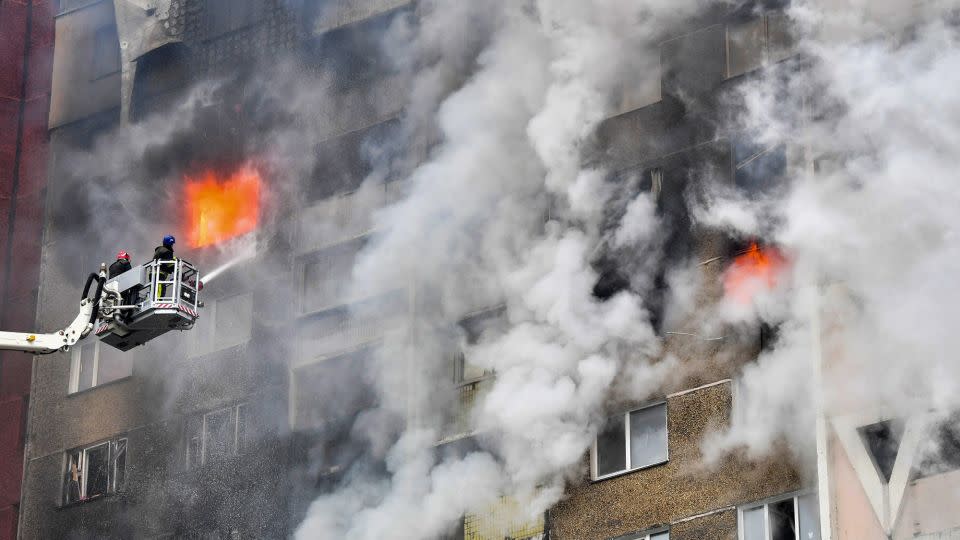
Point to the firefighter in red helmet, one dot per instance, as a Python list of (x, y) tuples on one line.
[(121, 265)]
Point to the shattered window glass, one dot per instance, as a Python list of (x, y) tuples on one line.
[(98, 470)]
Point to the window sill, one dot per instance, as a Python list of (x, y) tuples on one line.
[(81, 502), (630, 471), (99, 386)]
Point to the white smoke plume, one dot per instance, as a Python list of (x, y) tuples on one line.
[(869, 212)]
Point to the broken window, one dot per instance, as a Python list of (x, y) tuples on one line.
[(215, 435), (94, 364), (754, 43), (328, 277), (789, 518), (95, 471), (634, 440), (882, 441)]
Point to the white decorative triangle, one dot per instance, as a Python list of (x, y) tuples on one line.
[(885, 498)]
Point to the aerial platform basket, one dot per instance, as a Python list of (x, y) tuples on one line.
[(150, 300)]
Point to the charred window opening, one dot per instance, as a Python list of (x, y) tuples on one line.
[(95, 471), (882, 441), (161, 78)]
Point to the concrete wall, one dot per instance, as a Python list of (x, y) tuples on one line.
[(26, 51), (669, 494)]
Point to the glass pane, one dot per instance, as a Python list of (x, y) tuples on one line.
[(612, 448), (219, 433), (809, 517), (660, 536), (119, 464), (233, 319), (753, 527), (648, 436), (97, 470), (114, 364), (241, 429), (783, 522), (85, 363)]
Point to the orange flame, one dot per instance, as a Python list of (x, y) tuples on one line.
[(222, 208), (755, 270)]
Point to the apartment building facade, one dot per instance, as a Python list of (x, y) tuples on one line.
[(187, 437)]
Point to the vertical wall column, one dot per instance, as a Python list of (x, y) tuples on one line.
[(26, 55)]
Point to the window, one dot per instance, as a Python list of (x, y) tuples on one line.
[(216, 435), (786, 518), (95, 471), (660, 535), (328, 277), (329, 393), (96, 363), (228, 324), (757, 168), (642, 88), (634, 440), (754, 43), (941, 452), (882, 441), (106, 52), (224, 16)]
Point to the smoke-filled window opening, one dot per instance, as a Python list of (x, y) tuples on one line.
[(95, 363), (941, 452), (791, 517), (327, 277), (224, 16), (882, 442), (642, 86), (635, 440), (95, 471), (758, 41), (215, 436), (328, 393), (162, 78), (345, 161)]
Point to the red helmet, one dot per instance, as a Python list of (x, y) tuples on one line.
[(123, 255)]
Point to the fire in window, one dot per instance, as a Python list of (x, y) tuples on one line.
[(95, 471), (215, 436)]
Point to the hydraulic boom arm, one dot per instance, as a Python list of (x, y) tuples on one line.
[(69, 336)]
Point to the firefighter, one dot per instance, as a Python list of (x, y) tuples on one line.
[(121, 265), (164, 252)]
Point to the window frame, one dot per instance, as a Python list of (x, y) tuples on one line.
[(652, 534), (349, 247), (76, 352), (205, 340), (765, 503), (112, 447), (626, 430), (236, 448)]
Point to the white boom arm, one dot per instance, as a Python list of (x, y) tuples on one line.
[(81, 326)]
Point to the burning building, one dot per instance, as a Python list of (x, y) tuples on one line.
[(464, 281)]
